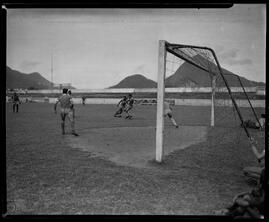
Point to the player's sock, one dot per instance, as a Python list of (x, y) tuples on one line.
[(73, 128), (173, 121), (74, 133), (116, 114), (62, 126)]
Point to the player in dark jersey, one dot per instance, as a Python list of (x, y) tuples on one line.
[(66, 103), (129, 106), (16, 101), (83, 100), (121, 105)]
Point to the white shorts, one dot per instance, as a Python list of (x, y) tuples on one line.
[(67, 112), (168, 112)]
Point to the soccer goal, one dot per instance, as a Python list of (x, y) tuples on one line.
[(202, 59)]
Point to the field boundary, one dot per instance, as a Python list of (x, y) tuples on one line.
[(150, 101)]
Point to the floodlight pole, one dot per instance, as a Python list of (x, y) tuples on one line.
[(160, 100)]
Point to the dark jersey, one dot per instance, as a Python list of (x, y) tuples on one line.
[(15, 98), (122, 103), (130, 102), (65, 101)]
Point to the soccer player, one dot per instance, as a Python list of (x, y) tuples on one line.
[(256, 125), (254, 172), (261, 121), (129, 106), (83, 100), (121, 105), (16, 101), (66, 103), (168, 112)]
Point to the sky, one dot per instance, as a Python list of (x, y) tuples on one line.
[(97, 48)]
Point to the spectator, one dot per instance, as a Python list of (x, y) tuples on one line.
[(16, 101), (254, 172), (249, 204)]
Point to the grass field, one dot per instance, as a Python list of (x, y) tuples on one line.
[(48, 173)]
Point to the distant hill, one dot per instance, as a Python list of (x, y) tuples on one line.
[(136, 81), (19, 80), (188, 75)]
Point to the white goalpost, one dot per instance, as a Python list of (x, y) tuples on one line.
[(202, 58), (160, 100)]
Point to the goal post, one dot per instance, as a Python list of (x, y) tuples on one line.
[(160, 100), (203, 58)]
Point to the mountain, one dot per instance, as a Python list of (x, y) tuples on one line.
[(16, 79), (19, 80), (188, 75), (136, 81)]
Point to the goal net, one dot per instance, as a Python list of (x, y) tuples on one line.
[(202, 83)]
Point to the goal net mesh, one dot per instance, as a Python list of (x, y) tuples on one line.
[(188, 81)]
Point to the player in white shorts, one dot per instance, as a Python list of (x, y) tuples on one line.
[(168, 112), (66, 103)]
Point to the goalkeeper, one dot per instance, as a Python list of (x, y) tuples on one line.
[(168, 112), (256, 125)]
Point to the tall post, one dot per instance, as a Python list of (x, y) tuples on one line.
[(213, 85), (52, 72), (160, 101)]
